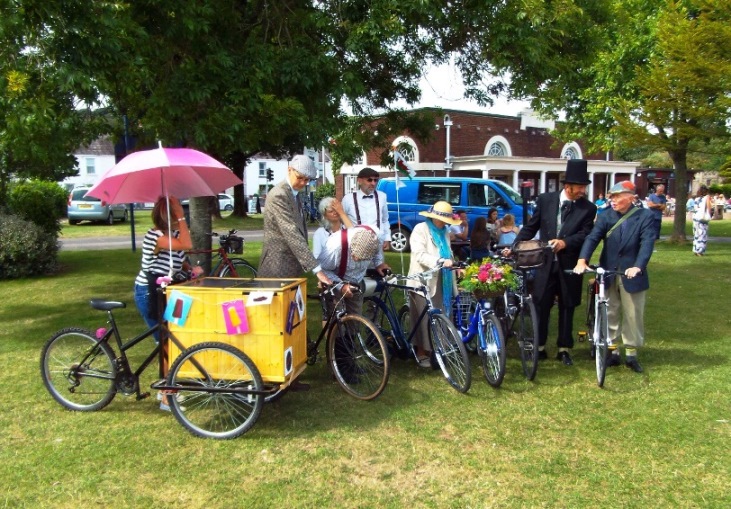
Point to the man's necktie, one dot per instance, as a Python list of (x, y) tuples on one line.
[(366, 196), (565, 209)]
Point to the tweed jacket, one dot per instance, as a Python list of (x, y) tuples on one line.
[(574, 229), (285, 252), (424, 256), (630, 247)]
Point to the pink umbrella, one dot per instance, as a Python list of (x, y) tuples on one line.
[(146, 175), (149, 174)]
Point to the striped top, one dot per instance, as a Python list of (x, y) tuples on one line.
[(158, 263)]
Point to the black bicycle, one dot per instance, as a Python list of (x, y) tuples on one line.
[(395, 324)]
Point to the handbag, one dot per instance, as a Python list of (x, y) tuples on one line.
[(701, 214)]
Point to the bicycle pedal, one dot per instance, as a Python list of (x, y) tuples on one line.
[(143, 395), (582, 336)]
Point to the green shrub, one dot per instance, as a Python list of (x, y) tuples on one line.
[(26, 249), (326, 189), (43, 203)]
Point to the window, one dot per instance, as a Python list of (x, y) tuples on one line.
[(570, 153), (497, 150), (432, 192), (90, 166), (262, 169)]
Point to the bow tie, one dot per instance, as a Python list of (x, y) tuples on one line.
[(366, 196)]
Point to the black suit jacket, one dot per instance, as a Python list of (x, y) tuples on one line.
[(574, 229), (632, 247)]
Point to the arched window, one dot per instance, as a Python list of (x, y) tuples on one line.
[(571, 151), (408, 148), (497, 149), (498, 146)]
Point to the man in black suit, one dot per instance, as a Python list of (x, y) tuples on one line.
[(563, 219), (629, 234)]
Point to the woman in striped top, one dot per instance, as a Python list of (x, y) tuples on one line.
[(157, 253)]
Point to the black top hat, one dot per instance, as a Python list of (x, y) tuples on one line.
[(576, 172)]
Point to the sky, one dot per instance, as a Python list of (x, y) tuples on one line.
[(442, 87)]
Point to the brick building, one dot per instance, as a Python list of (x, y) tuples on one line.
[(512, 149)]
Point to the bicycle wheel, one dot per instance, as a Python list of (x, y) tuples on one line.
[(492, 348), (207, 377), (358, 357), (243, 269), (526, 330), (450, 353), (601, 332), (78, 370)]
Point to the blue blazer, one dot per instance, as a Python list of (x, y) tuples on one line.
[(632, 247)]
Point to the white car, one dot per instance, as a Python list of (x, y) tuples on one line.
[(225, 202)]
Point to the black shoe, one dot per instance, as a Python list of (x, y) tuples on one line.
[(613, 360), (633, 364), (542, 355), (565, 358), (298, 386)]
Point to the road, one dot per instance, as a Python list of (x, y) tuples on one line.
[(98, 243)]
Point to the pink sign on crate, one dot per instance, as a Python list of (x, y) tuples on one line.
[(234, 315)]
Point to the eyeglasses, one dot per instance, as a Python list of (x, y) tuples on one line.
[(299, 176), (372, 179)]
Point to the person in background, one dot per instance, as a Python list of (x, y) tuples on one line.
[(366, 206), (628, 234), (459, 233), (563, 219), (601, 204), (163, 253), (285, 252), (657, 202), (332, 219), (700, 228), (480, 240), (508, 231), (430, 247), (493, 223), (690, 207)]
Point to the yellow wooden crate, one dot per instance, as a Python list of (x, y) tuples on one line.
[(278, 355)]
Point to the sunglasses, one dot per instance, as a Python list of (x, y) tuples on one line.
[(371, 179)]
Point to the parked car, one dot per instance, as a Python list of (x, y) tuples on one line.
[(87, 208), (225, 202), (475, 196)]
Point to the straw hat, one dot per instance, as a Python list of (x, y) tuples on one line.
[(443, 211), (364, 244)]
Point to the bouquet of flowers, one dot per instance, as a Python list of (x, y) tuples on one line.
[(488, 279)]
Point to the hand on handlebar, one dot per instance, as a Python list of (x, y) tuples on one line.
[(581, 267)]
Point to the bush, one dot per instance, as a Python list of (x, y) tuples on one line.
[(43, 203), (26, 249), (324, 190)]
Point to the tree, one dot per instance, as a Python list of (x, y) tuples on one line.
[(661, 79)]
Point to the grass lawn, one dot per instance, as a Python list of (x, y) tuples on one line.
[(660, 439)]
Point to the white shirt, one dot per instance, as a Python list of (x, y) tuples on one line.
[(330, 257), (369, 213)]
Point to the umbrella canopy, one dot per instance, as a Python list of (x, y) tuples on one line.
[(149, 174)]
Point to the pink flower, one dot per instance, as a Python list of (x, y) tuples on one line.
[(482, 277)]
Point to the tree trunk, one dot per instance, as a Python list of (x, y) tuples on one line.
[(200, 227), (680, 167), (238, 164)]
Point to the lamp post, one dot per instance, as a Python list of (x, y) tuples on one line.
[(448, 158)]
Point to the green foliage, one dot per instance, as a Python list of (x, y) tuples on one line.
[(326, 189), (43, 203), (26, 249), (724, 189)]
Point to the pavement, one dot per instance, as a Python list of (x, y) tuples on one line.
[(117, 242)]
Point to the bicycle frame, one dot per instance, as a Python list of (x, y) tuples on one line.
[(388, 307), (600, 301)]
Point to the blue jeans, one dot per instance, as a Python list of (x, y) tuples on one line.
[(142, 301)]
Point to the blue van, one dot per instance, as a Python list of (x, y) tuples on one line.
[(473, 195)]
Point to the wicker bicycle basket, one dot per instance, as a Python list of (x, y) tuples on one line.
[(481, 294), (233, 245), (529, 254)]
